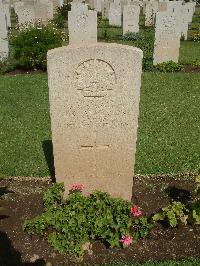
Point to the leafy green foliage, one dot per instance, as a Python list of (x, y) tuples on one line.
[(196, 36), (31, 43), (78, 219), (131, 36), (61, 15), (174, 213), (169, 66), (6, 65), (196, 206), (196, 63), (146, 43)]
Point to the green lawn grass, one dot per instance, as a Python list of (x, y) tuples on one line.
[(169, 124), (185, 262), (189, 52)]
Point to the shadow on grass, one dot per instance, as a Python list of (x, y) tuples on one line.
[(9, 256), (48, 152)]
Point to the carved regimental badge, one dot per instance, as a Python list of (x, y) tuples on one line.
[(95, 78)]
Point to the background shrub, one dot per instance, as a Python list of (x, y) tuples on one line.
[(132, 36), (31, 43), (196, 36), (61, 16), (146, 44), (169, 66)]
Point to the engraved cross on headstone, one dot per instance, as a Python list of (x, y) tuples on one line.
[(95, 148)]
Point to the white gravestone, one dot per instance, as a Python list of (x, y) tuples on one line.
[(105, 5), (6, 8), (25, 14), (44, 11), (115, 13), (3, 36), (97, 5), (94, 95), (131, 14), (82, 24), (151, 8), (167, 38)]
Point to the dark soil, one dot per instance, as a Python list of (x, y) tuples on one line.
[(22, 198), (24, 71), (187, 69), (191, 69)]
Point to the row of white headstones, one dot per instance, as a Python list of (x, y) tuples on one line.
[(27, 12), (171, 22), (172, 19)]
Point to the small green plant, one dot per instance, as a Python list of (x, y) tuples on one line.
[(172, 214), (196, 36), (131, 36), (6, 66), (196, 206), (78, 220), (196, 63), (169, 66), (31, 43)]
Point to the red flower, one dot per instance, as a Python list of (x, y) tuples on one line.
[(78, 187), (126, 240), (136, 211)]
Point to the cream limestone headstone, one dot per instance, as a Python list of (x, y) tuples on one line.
[(6, 8), (105, 5), (25, 14), (97, 5), (190, 6), (94, 95), (3, 35), (82, 24), (184, 21), (115, 13), (131, 15), (17, 6), (56, 4), (44, 11), (167, 38), (151, 8)]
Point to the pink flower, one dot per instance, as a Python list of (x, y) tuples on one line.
[(78, 187), (136, 211), (126, 240)]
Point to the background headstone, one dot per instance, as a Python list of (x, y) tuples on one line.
[(105, 5), (151, 8), (131, 14), (167, 38), (115, 13), (82, 24), (44, 10), (97, 5), (3, 35), (94, 106)]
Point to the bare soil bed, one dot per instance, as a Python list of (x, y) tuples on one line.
[(22, 198)]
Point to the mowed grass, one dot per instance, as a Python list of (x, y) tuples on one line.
[(169, 124), (189, 52), (185, 262), (24, 125)]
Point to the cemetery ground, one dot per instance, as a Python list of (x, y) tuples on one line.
[(167, 162), (168, 142)]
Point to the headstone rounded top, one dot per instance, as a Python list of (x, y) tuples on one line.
[(95, 45)]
